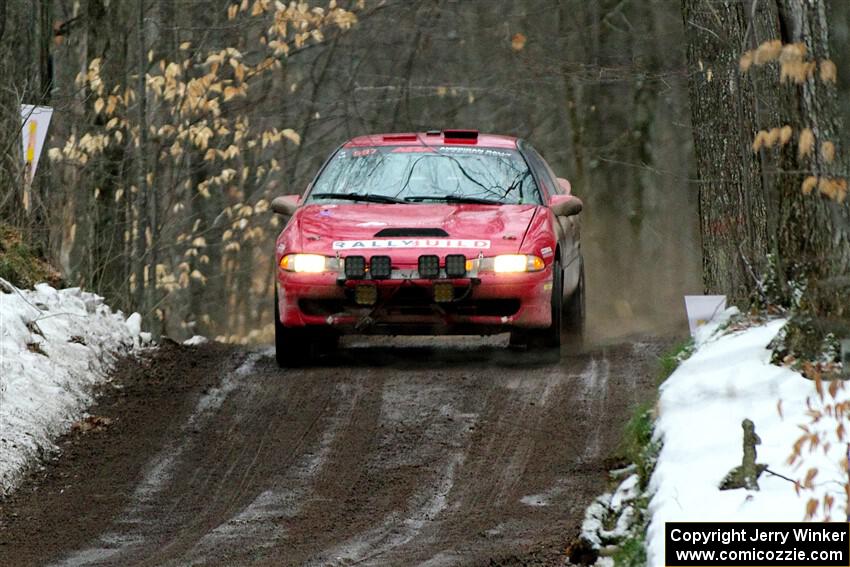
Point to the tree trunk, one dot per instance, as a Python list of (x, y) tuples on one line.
[(813, 237), (753, 203), (146, 292), (573, 94), (731, 190), (2, 18)]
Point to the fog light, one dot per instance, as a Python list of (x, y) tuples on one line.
[(366, 294), (455, 265), (355, 267), (443, 292), (380, 267), (429, 266)]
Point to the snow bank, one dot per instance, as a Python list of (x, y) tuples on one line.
[(55, 346), (613, 508), (701, 407)]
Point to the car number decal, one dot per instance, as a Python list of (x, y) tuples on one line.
[(409, 243)]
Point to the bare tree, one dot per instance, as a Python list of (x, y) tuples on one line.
[(773, 210), (2, 18)]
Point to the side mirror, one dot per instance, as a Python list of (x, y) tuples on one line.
[(565, 205), (566, 187), (286, 204)]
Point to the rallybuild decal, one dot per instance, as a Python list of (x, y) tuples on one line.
[(409, 243)]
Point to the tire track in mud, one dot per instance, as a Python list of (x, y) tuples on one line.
[(129, 534), (412, 414), (259, 521), (414, 455), (516, 420), (282, 467)]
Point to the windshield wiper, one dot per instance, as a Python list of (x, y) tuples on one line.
[(454, 199), (367, 197)]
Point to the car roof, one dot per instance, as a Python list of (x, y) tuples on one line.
[(434, 138)]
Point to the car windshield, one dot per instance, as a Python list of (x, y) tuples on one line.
[(418, 174)]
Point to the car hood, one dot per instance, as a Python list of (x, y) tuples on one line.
[(405, 230)]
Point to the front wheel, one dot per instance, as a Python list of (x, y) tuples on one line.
[(550, 337), (574, 311), (292, 346)]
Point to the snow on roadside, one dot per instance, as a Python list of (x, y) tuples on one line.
[(55, 346), (701, 406), (617, 506)]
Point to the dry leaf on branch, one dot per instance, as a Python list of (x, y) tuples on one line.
[(746, 61), (833, 188), (767, 51), (797, 71), (518, 41), (792, 52), (827, 151), (772, 137), (828, 71), (810, 477), (760, 140), (811, 508), (806, 142)]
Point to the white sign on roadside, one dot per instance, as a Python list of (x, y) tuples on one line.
[(35, 121), (703, 308)]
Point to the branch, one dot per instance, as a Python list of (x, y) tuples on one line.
[(792, 481), (10, 288), (756, 280)]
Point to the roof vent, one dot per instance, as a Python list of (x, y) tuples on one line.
[(400, 137), (460, 134)]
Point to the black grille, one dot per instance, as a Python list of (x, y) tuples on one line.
[(321, 306), (413, 231), (489, 307), (415, 301), (410, 300)]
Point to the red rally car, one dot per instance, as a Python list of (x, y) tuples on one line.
[(441, 232)]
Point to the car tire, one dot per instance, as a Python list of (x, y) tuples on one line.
[(327, 342), (575, 311), (550, 337), (292, 346)]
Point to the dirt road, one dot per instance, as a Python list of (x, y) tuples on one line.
[(411, 455)]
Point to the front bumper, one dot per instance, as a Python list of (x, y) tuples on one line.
[(486, 303)]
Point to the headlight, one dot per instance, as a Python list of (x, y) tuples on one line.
[(513, 263), (305, 263)]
